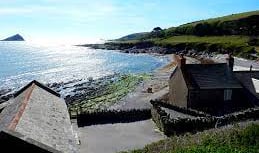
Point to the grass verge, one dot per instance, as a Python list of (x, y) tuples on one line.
[(232, 140), (206, 39), (239, 45)]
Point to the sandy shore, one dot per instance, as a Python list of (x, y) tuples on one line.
[(76, 91)]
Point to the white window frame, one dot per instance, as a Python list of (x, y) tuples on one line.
[(227, 94)]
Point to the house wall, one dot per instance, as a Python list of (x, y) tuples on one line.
[(206, 100), (212, 100), (178, 90)]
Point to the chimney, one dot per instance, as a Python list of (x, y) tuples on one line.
[(230, 61), (251, 67), (181, 61)]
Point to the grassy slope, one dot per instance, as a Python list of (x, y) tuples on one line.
[(221, 19), (233, 140), (238, 43), (232, 17), (175, 40), (133, 36), (209, 39), (228, 17)]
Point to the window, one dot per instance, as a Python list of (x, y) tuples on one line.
[(227, 94)]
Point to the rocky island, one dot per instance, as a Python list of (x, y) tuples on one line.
[(16, 37)]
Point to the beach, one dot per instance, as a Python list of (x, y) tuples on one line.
[(77, 73), (123, 91)]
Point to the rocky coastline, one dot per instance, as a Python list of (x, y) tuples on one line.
[(74, 90), (144, 47), (152, 48), (79, 90), (205, 53)]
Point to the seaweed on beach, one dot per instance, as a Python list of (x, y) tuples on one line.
[(110, 94)]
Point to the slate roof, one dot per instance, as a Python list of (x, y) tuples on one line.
[(247, 79), (210, 76), (38, 114)]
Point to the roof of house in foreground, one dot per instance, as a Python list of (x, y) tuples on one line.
[(210, 76), (37, 114)]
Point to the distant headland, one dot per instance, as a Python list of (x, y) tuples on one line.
[(236, 33), (16, 37)]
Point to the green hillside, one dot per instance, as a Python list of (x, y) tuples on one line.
[(237, 33), (235, 24), (133, 36), (228, 17), (240, 45)]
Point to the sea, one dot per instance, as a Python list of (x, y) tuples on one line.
[(22, 62)]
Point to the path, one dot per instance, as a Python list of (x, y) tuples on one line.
[(111, 138)]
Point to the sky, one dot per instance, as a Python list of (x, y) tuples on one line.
[(80, 21)]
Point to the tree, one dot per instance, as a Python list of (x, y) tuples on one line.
[(157, 32), (157, 29), (202, 29)]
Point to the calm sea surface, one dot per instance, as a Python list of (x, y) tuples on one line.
[(21, 62)]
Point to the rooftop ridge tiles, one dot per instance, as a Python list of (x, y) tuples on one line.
[(39, 85)]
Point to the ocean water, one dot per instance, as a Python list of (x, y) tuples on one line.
[(22, 62)]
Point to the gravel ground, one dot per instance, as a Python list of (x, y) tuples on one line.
[(110, 138), (139, 98), (240, 64)]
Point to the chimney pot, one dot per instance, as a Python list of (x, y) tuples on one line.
[(181, 61), (230, 61)]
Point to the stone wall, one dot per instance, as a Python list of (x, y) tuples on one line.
[(172, 126), (112, 116)]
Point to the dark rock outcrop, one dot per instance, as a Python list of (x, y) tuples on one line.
[(16, 37)]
